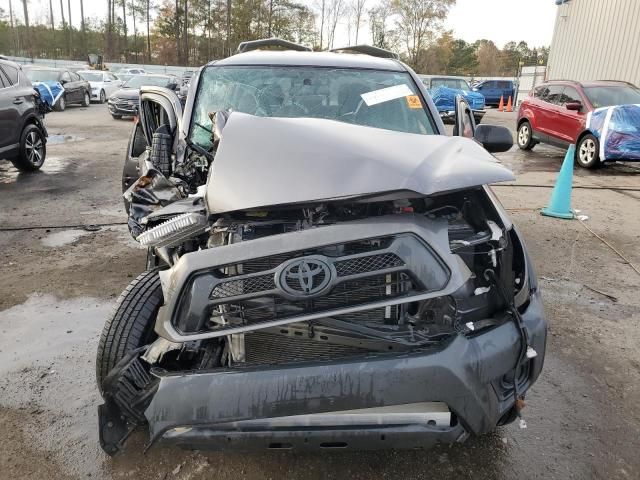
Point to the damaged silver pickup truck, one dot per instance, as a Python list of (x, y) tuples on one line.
[(327, 268)]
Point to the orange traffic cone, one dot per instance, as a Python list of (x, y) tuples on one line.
[(501, 106), (509, 106)]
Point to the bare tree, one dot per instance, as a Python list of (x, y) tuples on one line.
[(26, 24), (357, 8), (51, 15), (70, 27), (335, 12), (418, 21), (148, 36), (124, 27), (84, 30), (186, 32), (322, 6)]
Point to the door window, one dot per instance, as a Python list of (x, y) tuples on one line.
[(4, 81), (75, 77), (541, 93), (555, 94), (11, 74), (570, 95), (65, 77)]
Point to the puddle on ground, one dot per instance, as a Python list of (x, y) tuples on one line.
[(52, 166), (57, 138), (44, 327), (63, 237), (545, 158)]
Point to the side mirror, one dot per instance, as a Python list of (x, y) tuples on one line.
[(574, 106), (62, 82), (494, 138), (107, 80), (172, 86)]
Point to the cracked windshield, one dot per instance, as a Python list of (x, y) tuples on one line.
[(329, 93)]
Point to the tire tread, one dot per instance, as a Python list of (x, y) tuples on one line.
[(130, 323)]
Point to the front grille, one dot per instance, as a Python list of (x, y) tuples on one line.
[(371, 263), (257, 265), (272, 349), (346, 294), (244, 286)]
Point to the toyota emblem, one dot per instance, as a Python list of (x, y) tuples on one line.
[(305, 277)]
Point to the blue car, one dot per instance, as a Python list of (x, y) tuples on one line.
[(494, 89), (444, 89)]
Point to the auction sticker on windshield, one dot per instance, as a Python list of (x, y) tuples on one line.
[(386, 94), (413, 101)]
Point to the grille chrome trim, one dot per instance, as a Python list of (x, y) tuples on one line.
[(242, 287), (425, 249)]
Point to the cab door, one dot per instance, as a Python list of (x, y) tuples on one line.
[(570, 122)]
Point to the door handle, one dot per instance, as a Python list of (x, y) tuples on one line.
[(18, 101)]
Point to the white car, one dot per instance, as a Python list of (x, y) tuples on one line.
[(103, 84), (131, 71)]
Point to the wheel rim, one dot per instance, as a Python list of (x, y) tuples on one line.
[(34, 149), (587, 151), (523, 135)]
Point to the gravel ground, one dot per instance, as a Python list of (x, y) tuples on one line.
[(59, 282)]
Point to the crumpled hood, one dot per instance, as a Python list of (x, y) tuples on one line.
[(264, 162), (445, 98)]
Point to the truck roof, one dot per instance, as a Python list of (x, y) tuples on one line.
[(312, 59)]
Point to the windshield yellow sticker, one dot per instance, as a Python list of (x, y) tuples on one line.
[(413, 101)]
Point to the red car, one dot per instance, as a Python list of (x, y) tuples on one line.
[(557, 112)]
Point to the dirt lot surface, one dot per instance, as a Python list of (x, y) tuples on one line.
[(59, 282)]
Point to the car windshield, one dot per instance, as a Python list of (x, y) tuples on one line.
[(612, 95), (91, 76), (455, 83), (36, 75), (381, 99), (140, 80)]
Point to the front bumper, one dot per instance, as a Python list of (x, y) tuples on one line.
[(123, 108), (198, 410)]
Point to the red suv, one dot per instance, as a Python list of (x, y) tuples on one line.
[(557, 113)]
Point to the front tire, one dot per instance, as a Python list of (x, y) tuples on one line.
[(86, 100), (33, 149), (587, 152), (103, 96), (131, 324), (61, 104), (525, 136)]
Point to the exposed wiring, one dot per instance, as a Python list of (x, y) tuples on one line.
[(620, 254)]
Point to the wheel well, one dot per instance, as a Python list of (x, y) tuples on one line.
[(522, 120), (31, 120), (584, 134)]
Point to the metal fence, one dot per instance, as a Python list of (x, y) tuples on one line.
[(113, 67), (529, 78)]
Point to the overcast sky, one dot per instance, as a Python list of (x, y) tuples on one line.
[(497, 20)]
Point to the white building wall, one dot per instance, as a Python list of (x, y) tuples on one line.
[(596, 40)]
